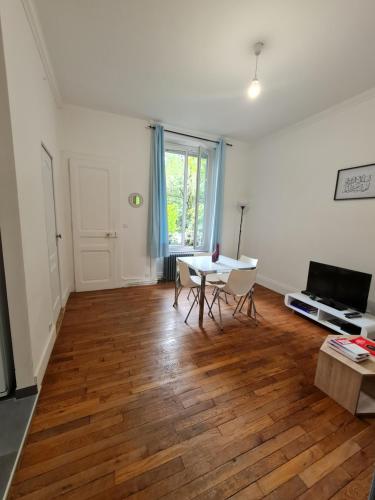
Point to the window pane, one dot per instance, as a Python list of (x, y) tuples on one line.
[(185, 199), (191, 188), (201, 202), (174, 169)]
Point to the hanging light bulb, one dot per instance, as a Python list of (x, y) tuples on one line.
[(255, 88)]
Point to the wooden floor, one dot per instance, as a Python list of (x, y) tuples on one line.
[(137, 404)]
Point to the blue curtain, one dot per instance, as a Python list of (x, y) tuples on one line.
[(217, 194), (158, 220)]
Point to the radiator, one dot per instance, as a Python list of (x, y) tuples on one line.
[(169, 269)]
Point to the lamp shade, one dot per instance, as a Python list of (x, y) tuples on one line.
[(242, 204)]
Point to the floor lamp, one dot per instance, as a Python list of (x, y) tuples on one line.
[(242, 205)]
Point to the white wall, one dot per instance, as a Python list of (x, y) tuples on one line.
[(239, 160), (34, 121), (293, 218), (127, 141), (10, 229)]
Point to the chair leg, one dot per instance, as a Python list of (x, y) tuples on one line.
[(205, 298), (238, 305), (247, 296), (212, 303), (252, 310), (225, 298), (191, 307), (221, 320), (176, 295), (255, 309)]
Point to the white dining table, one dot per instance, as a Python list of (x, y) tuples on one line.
[(203, 265)]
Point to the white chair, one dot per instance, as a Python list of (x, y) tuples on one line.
[(201, 254), (240, 284), (223, 277), (251, 260), (186, 280), (254, 263)]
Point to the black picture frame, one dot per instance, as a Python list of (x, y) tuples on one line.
[(355, 186)]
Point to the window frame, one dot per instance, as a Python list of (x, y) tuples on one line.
[(198, 152)]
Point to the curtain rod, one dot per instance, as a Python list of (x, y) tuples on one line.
[(192, 136)]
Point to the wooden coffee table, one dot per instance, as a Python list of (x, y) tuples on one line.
[(351, 384)]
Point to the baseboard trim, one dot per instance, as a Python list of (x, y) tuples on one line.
[(66, 295), (137, 282), (24, 392), (45, 357), (59, 321), (274, 285)]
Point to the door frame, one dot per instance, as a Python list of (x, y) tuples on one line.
[(44, 147)]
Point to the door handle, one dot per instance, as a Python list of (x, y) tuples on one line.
[(111, 235), (58, 236)]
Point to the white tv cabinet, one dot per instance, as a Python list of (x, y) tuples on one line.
[(366, 323)]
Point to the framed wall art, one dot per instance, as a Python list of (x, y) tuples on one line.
[(355, 183)]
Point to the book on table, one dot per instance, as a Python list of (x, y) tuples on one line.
[(366, 344), (349, 349)]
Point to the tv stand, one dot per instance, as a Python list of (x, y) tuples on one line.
[(331, 317)]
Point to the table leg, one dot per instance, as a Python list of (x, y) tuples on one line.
[(201, 298), (176, 288)]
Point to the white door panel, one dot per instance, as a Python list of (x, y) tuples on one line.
[(50, 216), (95, 211), (94, 200), (96, 265)]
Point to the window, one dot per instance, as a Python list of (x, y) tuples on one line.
[(186, 173)]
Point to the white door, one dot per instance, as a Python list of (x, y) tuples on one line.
[(52, 236), (95, 213)]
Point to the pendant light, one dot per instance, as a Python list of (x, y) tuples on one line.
[(254, 88)]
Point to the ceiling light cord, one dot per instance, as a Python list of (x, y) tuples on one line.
[(255, 87), (256, 67)]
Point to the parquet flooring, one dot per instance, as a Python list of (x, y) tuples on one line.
[(136, 404)]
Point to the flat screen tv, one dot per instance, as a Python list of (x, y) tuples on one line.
[(338, 285)]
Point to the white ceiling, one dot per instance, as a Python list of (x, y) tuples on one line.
[(189, 62)]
